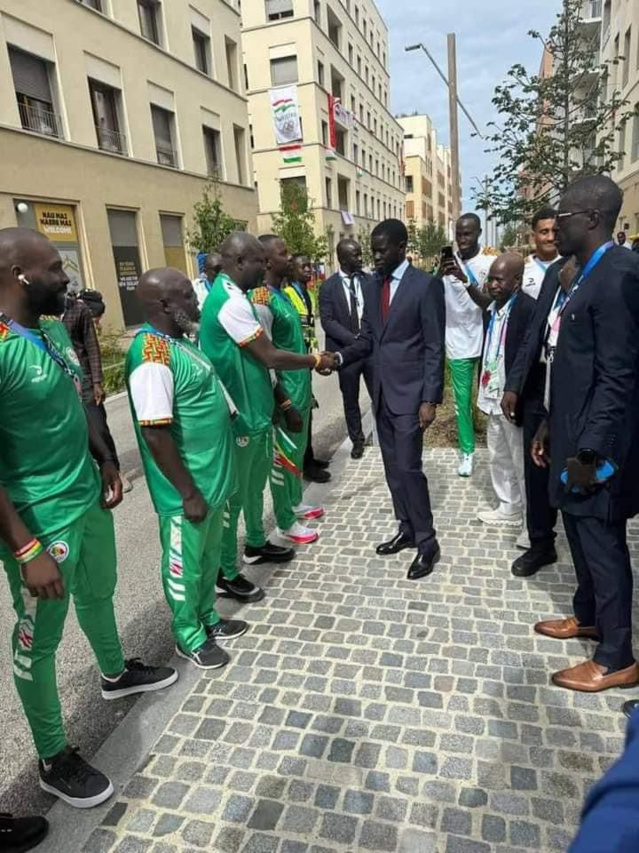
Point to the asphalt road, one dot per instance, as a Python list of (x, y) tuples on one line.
[(142, 616)]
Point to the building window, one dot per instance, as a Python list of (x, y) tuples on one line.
[(343, 193), (278, 9), (324, 133), (128, 268), (148, 13), (357, 16), (626, 58), (290, 182), (359, 66), (634, 154), (32, 82), (337, 82), (329, 193), (355, 153), (341, 142), (317, 13), (353, 105), (320, 72), (284, 70), (240, 153), (212, 151), (163, 121), (358, 203), (231, 62), (105, 102), (366, 204), (350, 55), (334, 27), (202, 51), (93, 4), (173, 241)]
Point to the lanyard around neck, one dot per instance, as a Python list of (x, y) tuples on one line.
[(469, 273), (508, 307)]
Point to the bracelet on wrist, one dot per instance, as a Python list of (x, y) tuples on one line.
[(318, 359), (285, 405), (28, 552)]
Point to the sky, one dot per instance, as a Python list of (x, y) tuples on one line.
[(492, 35)]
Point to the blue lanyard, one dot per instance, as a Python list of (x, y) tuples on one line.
[(491, 326), (45, 345), (469, 273), (564, 298)]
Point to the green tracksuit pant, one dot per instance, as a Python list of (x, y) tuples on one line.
[(253, 457), (286, 473), (85, 552), (462, 372), (190, 563)]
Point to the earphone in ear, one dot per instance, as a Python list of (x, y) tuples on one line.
[(23, 279)]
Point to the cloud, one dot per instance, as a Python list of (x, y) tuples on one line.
[(492, 35)]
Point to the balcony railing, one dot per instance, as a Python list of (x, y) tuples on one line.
[(40, 120), (592, 9), (111, 140), (167, 156)]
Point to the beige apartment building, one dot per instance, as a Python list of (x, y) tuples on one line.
[(619, 23), (112, 115), (429, 184), (316, 73)]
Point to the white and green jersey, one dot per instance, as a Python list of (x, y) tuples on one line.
[(170, 382), (229, 323), (534, 274), (45, 464)]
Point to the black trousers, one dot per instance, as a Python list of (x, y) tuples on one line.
[(349, 385), (309, 453), (402, 441), (541, 518), (604, 585)]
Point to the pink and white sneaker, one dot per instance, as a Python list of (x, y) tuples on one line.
[(298, 534), (310, 513)]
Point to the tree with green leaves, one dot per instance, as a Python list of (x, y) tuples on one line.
[(412, 246), (364, 239), (510, 238), (212, 224), (431, 238), (295, 223), (554, 126)]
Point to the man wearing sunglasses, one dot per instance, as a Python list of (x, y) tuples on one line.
[(588, 335)]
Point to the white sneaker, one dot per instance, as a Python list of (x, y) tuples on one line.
[(308, 512), (523, 540), (127, 485), (494, 516), (466, 465), (298, 534)]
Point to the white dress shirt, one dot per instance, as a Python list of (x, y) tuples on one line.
[(356, 278), (396, 279)]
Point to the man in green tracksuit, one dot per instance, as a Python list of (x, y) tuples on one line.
[(281, 320), (56, 528), (233, 338), (183, 427)]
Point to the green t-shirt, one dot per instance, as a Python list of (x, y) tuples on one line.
[(170, 382), (229, 323), (282, 322), (45, 464)]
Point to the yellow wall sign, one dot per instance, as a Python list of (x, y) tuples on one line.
[(57, 222)]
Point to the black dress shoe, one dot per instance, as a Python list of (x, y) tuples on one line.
[(397, 543), (630, 707), (316, 474), (358, 450), (424, 563), (19, 834), (533, 560), (321, 463)]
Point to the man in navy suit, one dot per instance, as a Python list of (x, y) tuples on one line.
[(591, 348), (403, 328), (341, 304)]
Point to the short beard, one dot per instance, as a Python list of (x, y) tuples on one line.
[(184, 323), (42, 301)]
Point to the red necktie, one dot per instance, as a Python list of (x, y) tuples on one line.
[(386, 293)]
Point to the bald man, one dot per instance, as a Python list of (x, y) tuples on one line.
[(56, 528), (183, 427), (232, 336), (508, 317)]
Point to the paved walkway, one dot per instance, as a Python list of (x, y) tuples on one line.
[(366, 713)]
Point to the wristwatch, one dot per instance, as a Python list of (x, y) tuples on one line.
[(587, 457)]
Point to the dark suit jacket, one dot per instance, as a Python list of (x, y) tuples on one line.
[(408, 350), (519, 322), (335, 311), (595, 387)]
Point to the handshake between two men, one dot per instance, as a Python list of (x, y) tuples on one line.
[(327, 363)]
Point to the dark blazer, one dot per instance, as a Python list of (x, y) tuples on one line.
[(595, 387), (408, 350), (519, 322), (335, 311)]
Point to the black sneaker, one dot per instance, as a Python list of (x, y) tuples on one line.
[(268, 553), (532, 561), (69, 777), (240, 587), (19, 834), (208, 656), (138, 678), (227, 629)]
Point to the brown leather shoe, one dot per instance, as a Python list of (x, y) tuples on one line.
[(591, 677), (565, 629)]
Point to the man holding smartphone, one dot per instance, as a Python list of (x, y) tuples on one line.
[(464, 274)]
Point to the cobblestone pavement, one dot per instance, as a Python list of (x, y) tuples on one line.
[(364, 712)]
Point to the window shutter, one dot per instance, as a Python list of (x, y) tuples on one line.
[(30, 75), (279, 7), (162, 126)]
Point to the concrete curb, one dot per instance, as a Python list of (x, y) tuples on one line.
[(127, 747)]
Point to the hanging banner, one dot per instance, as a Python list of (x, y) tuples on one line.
[(332, 130), (286, 115), (343, 116), (56, 221)]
